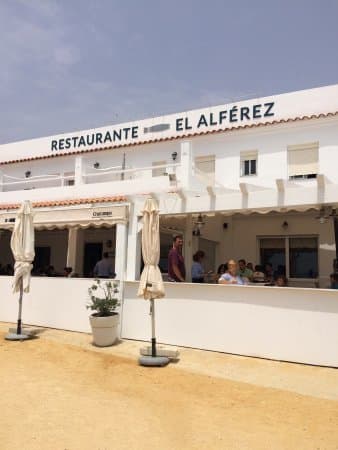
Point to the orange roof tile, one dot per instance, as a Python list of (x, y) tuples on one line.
[(75, 201)]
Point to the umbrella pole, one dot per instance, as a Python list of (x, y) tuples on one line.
[(153, 338), (18, 331)]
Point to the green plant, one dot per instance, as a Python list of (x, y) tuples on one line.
[(107, 303)]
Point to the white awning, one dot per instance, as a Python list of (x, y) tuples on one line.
[(73, 216)]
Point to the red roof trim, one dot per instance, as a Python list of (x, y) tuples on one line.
[(184, 136), (77, 201)]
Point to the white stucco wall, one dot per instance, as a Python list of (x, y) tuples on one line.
[(290, 324)]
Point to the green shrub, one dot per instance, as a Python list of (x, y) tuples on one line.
[(105, 304)]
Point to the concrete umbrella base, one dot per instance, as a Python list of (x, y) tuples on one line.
[(16, 337), (153, 361)]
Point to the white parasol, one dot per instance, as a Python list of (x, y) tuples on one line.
[(22, 245), (151, 282)]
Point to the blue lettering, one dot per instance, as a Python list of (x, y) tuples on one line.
[(202, 121), (257, 111), (90, 141), (82, 141), (98, 138), (222, 116), (134, 132), (186, 124), (107, 137), (245, 112), (212, 122), (74, 139), (268, 109), (54, 145), (179, 124), (68, 144), (126, 132), (233, 114), (61, 142), (116, 135)]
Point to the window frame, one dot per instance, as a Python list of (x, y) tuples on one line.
[(248, 156), (287, 252)]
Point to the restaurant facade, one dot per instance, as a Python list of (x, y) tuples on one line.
[(254, 179)]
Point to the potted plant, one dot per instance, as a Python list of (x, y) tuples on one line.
[(104, 321)]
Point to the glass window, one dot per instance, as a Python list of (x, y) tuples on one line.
[(302, 251), (248, 164), (273, 252), (303, 256)]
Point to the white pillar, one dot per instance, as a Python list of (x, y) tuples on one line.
[(186, 164), (188, 247), (78, 170), (121, 251), (72, 248), (1, 180), (134, 246)]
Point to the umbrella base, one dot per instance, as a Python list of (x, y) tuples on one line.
[(16, 337), (153, 361)]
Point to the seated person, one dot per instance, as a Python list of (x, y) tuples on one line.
[(249, 265), (258, 276), (281, 281), (269, 273), (243, 271), (334, 280), (231, 277)]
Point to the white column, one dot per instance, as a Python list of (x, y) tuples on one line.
[(186, 164), (78, 170), (188, 247), (121, 251), (134, 246), (1, 180), (72, 248)]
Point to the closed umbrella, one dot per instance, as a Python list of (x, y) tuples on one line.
[(22, 245), (151, 282)]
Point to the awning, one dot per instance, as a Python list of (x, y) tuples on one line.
[(82, 216)]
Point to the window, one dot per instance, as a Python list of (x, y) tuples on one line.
[(248, 164), (293, 256), (205, 166), (303, 161), (160, 171)]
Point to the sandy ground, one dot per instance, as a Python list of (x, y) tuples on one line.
[(59, 392)]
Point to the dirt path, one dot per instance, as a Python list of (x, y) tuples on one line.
[(57, 396)]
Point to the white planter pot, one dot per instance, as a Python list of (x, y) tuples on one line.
[(104, 329)]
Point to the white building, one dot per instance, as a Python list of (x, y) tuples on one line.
[(262, 173)]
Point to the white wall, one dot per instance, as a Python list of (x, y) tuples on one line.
[(290, 324)]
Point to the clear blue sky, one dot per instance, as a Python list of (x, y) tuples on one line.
[(75, 64)]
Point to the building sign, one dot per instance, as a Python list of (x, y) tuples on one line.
[(102, 214), (176, 124)]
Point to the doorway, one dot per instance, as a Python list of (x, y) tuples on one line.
[(209, 248), (92, 254)]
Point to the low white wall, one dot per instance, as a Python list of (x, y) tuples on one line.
[(291, 324)]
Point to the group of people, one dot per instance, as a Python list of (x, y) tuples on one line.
[(227, 273)]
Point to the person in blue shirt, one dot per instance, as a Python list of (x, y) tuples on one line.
[(197, 271)]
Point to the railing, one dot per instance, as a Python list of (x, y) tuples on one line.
[(99, 175)]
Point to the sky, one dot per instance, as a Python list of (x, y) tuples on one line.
[(69, 65)]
